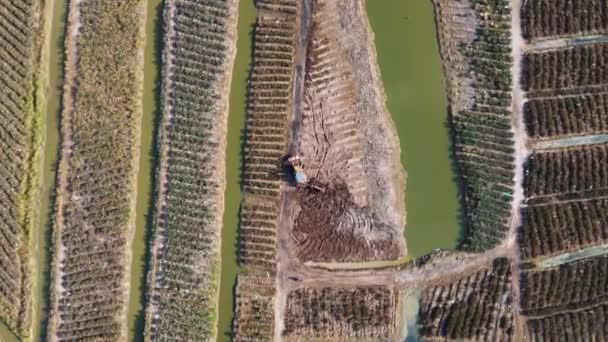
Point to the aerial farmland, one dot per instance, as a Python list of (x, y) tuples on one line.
[(303, 170)]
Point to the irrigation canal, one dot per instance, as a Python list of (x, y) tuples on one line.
[(410, 65), (147, 170), (236, 126)]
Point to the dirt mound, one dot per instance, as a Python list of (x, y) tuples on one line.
[(329, 226)]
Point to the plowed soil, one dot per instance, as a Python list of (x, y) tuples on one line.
[(347, 142)]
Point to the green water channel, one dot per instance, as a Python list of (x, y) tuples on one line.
[(233, 196), (147, 169), (53, 74), (408, 55)]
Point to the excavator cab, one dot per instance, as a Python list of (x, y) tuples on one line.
[(298, 174), (298, 170)]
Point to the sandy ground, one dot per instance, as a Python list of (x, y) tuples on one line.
[(521, 155)]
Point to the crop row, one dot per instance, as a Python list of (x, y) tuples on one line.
[(269, 103), (557, 18), (474, 307), (582, 325), (281, 6), (198, 50), (569, 69), (341, 312), (18, 38), (563, 227), (483, 140), (94, 218), (575, 169), (254, 316), (566, 287), (563, 116), (258, 235)]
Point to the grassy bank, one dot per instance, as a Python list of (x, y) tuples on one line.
[(51, 86), (236, 126), (408, 55), (147, 166)]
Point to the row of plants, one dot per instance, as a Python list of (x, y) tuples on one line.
[(183, 280), (101, 123), (18, 55), (258, 234), (269, 103), (289, 7), (483, 139), (565, 287), (581, 325), (565, 116), (565, 69), (562, 227), (268, 108), (326, 313), (574, 169), (558, 18), (254, 319), (474, 307)]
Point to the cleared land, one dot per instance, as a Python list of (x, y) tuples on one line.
[(198, 55), (348, 144), (21, 27), (95, 202)]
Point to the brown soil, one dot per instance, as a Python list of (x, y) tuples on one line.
[(347, 143), (330, 226)]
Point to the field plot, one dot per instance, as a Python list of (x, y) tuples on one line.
[(19, 26), (567, 116), (476, 307), (584, 325), (476, 50), (95, 206), (570, 170), (198, 56), (567, 287), (254, 309), (563, 227), (558, 18), (349, 146), (268, 108), (329, 313), (582, 69)]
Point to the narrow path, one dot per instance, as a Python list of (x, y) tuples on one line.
[(553, 44), (565, 258), (569, 142), (521, 154)]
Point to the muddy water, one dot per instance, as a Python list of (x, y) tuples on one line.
[(236, 125), (147, 168), (408, 55)]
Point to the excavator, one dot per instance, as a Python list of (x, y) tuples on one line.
[(298, 171)]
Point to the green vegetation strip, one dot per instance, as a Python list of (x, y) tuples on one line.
[(236, 125), (95, 214), (410, 65), (147, 161), (52, 68)]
